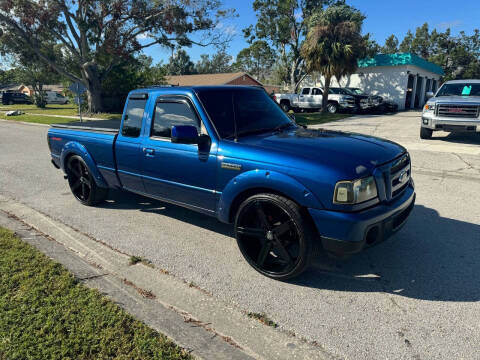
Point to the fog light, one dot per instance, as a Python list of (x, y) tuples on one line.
[(425, 121)]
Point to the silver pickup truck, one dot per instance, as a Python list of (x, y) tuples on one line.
[(454, 108), (311, 98)]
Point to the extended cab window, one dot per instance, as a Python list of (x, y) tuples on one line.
[(132, 123), (316, 91), (168, 114)]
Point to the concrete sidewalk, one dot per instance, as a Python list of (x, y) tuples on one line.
[(190, 316)]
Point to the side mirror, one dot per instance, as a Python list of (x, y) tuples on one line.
[(429, 95), (184, 134), (187, 134)]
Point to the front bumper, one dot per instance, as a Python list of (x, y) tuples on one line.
[(348, 233), (430, 121)]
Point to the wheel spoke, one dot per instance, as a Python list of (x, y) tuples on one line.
[(75, 172), (282, 252), (76, 185), (84, 192), (253, 232), (283, 228), (80, 168), (261, 215), (86, 181), (262, 256)]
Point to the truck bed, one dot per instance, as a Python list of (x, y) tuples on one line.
[(102, 126)]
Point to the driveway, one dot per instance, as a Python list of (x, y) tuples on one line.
[(414, 296)]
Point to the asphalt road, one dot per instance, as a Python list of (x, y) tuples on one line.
[(414, 296)]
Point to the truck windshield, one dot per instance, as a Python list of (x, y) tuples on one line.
[(251, 109), (460, 89)]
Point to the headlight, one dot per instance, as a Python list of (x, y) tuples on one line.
[(429, 107), (355, 192)]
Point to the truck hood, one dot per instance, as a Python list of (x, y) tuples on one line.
[(456, 99), (354, 155)]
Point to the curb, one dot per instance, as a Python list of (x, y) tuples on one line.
[(244, 337)]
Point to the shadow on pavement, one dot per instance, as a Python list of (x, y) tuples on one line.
[(431, 258), (460, 138)]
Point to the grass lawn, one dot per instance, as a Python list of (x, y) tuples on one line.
[(53, 109), (314, 118), (39, 119), (46, 314)]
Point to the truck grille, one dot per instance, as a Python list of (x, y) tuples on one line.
[(397, 177), (458, 111)]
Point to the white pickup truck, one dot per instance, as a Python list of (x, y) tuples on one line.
[(311, 98), (454, 108)]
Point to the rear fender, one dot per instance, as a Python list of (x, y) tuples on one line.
[(268, 180), (74, 148)]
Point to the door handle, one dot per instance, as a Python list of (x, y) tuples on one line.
[(149, 152)]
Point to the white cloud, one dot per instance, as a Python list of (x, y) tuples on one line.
[(227, 29)]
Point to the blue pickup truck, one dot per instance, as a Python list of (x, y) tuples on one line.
[(232, 153)]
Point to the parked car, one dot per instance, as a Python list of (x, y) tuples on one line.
[(11, 98), (375, 102), (362, 102), (311, 98), (454, 108), (230, 152), (53, 97)]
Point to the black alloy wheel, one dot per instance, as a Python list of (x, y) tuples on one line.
[(273, 236), (81, 182)]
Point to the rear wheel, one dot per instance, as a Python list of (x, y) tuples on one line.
[(332, 108), (82, 184), (273, 236), (285, 106), (425, 133)]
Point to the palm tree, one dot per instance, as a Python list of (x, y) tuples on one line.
[(334, 44)]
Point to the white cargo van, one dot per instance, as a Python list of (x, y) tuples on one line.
[(53, 97)]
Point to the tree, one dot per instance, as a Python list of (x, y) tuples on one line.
[(372, 47), (97, 35), (391, 45), (218, 63), (257, 59), (421, 43), (180, 64), (284, 24), (334, 44), (406, 44)]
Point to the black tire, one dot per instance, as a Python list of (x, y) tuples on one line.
[(332, 108), (425, 133), (82, 184), (274, 237), (285, 106)]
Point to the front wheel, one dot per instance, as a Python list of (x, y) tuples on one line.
[(273, 236), (425, 133), (82, 184), (332, 108)]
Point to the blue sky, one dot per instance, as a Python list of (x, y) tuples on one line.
[(384, 17)]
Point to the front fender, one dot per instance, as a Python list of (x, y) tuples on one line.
[(73, 147), (264, 179)]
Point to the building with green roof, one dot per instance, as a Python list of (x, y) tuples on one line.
[(404, 78)]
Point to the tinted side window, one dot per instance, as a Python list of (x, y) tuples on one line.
[(132, 124), (305, 91), (168, 114), (316, 91)]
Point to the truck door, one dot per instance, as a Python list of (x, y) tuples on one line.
[(180, 173), (316, 98), (128, 151), (303, 98)]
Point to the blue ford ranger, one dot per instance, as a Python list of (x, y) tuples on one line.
[(232, 153)]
